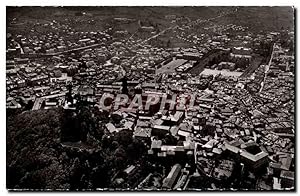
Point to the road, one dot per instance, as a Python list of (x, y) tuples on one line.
[(267, 68), (256, 62), (38, 55), (198, 21), (160, 33), (75, 49)]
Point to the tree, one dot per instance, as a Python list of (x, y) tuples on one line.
[(123, 137), (124, 86), (136, 149), (168, 44), (120, 157)]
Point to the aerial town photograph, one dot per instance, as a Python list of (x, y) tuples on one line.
[(150, 98)]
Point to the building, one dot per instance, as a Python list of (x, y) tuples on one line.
[(255, 159), (169, 181), (142, 133)]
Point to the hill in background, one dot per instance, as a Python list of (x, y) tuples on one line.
[(256, 18)]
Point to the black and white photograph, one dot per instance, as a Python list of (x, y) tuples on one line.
[(150, 98)]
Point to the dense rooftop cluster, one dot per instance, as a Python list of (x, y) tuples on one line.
[(237, 133)]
